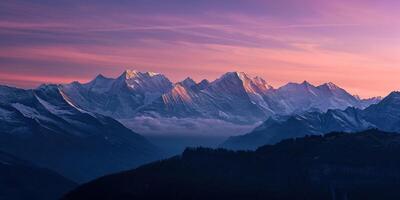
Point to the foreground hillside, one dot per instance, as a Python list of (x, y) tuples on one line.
[(22, 180), (362, 165)]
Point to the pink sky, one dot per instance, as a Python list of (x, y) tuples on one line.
[(353, 43)]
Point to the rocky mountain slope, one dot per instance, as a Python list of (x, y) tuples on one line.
[(44, 127)]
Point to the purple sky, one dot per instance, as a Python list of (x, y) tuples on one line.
[(354, 43)]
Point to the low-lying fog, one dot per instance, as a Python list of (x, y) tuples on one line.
[(174, 135)]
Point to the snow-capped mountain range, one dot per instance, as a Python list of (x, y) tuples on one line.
[(75, 129), (235, 97), (80, 130), (384, 115), (119, 97)]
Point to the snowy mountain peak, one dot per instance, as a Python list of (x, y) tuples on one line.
[(204, 81), (249, 84), (151, 74), (296, 86), (128, 74), (235, 75), (229, 75), (146, 81), (261, 83), (100, 76), (188, 79), (243, 76), (392, 98), (307, 84), (188, 82), (330, 86), (100, 79), (227, 79), (203, 84), (134, 74)]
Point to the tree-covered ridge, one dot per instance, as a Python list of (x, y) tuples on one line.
[(362, 165)]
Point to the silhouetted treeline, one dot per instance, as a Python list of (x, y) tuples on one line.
[(362, 165)]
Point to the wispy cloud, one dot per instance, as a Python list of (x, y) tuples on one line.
[(314, 40), (315, 26), (186, 127)]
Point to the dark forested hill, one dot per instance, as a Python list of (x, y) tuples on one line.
[(364, 165), (20, 180)]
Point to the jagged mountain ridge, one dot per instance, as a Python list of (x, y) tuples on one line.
[(119, 97), (225, 98), (383, 115), (235, 96)]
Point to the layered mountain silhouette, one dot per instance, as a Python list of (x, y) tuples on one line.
[(73, 128), (384, 115), (23, 180), (235, 97), (339, 166), (42, 126)]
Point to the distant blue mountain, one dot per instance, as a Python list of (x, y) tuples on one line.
[(384, 115), (21, 180), (43, 127)]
